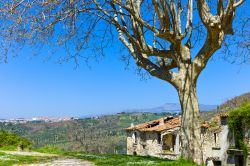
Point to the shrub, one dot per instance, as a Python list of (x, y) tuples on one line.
[(239, 123), (13, 140)]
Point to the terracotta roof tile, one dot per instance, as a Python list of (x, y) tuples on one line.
[(157, 125), (169, 122)]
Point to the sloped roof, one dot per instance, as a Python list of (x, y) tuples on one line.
[(158, 125)]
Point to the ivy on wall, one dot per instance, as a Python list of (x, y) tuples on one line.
[(239, 123)]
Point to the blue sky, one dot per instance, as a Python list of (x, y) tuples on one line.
[(32, 87)]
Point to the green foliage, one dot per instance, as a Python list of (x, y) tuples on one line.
[(9, 141), (239, 123), (125, 160)]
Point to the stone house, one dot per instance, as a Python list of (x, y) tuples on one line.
[(159, 138), (162, 138)]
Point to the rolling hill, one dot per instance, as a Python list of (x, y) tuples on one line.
[(104, 134)]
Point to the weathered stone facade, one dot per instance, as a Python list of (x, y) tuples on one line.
[(144, 144), (161, 138), (152, 144), (215, 143)]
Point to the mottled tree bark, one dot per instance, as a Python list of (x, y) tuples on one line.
[(190, 125)]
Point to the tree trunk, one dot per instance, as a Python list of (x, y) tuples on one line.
[(190, 127)]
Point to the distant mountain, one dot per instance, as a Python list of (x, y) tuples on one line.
[(171, 107)]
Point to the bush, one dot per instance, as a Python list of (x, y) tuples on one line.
[(239, 123), (8, 139)]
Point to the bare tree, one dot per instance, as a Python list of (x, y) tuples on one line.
[(160, 35)]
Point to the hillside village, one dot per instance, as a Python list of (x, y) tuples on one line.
[(36, 119)]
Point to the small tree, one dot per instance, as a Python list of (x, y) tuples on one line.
[(160, 35), (14, 140), (239, 123)]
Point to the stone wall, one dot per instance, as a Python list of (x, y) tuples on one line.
[(215, 143), (146, 145), (151, 144)]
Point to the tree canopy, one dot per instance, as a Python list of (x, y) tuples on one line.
[(78, 25)]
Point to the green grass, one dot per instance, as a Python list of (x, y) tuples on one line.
[(51, 149), (98, 159), (126, 160), (116, 159), (8, 160), (11, 148)]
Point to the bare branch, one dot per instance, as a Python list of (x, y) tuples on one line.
[(204, 11), (240, 2), (220, 8)]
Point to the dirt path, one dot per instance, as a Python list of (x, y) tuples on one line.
[(64, 162), (58, 161), (23, 153)]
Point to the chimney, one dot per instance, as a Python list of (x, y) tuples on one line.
[(132, 125), (161, 121)]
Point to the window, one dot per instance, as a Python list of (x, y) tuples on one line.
[(143, 136), (159, 138), (223, 120), (135, 135), (168, 142), (217, 163), (215, 139)]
